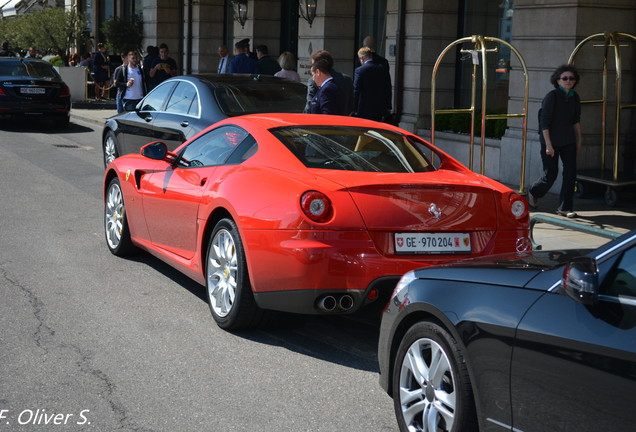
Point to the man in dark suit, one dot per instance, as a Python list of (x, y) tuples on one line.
[(344, 83), (369, 41), (329, 98), (242, 62), (371, 88)]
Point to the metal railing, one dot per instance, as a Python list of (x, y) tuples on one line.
[(479, 47), (563, 223)]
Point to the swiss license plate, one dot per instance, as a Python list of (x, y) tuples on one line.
[(32, 90), (432, 243)]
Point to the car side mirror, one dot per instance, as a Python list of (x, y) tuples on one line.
[(155, 150), (580, 280)]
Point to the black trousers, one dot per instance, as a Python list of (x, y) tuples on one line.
[(567, 154)]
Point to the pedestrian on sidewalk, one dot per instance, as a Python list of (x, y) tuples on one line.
[(130, 82), (560, 137)]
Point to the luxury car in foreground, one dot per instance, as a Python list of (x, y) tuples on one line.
[(304, 213), (183, 106), (531, 341), (33, 87)]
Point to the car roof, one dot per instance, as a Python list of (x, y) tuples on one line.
[(274, 120), (229, 79)]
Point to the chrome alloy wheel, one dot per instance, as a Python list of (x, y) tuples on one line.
[(110, 151), (427, 388), (115, 215), (222, 273)]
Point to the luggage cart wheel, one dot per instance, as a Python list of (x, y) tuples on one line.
[(579, 189), (611, 197)]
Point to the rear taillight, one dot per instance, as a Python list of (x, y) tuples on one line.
[(518, 206), (2, 93), (65, 91), (316, 206)]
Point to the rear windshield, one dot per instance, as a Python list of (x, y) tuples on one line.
[(31, 69), (253, 97), (354, 149)]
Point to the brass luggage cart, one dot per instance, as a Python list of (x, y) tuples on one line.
[(611, 178), (479, 48)]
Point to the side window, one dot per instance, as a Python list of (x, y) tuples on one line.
[(154, 100), (621, 281), (182, 98), (213, 148)]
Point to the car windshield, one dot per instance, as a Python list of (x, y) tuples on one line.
[(252, 97), (30, 69), (354, 149)]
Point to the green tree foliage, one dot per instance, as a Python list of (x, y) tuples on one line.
[(52, 29), (123, 34)]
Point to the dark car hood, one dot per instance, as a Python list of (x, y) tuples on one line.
[(513, 269)]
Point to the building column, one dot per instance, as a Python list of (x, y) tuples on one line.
[(262, 31), (333, 30), (546, 34), (163, 23), (207, 34), (428, 28)]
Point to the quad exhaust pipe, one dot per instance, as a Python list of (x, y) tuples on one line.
[(330, 303), (327, 303)]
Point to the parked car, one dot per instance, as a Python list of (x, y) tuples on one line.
[(181, 107), (530, 341), (30, 87), (304, 213)]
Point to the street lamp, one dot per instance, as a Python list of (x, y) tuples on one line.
[(240, 11), (308, 10)]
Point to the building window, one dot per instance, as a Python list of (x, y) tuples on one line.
[(487, 18), (370, 20)]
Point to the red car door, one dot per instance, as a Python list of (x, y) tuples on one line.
[(171, 198), (171, 202)]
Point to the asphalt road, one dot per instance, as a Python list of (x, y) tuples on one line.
[(89, 341)]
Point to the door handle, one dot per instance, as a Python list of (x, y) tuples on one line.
[(185, 123), (203, 180)]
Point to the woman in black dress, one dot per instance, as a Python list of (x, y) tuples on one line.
[(101, 71)]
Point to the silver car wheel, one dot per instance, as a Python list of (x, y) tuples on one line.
[(110, 151), (115, 215), (427, 388), (222, 273)]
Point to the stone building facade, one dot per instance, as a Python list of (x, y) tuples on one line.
[(411, 34)]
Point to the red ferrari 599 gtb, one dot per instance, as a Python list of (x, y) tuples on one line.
[(304, 213)]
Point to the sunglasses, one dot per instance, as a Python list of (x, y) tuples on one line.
[(568, 78)]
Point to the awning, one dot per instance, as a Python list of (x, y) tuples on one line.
[(11, 7)]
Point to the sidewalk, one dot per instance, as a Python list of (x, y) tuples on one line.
[(593, 212), (95, 112)]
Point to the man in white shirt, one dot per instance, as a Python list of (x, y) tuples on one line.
[(224, 62), (130, 82)]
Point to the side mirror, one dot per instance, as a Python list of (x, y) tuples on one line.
[(580, 280), (155, 150)]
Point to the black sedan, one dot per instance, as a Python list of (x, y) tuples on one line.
[(537, 341), (33, 87), (183, 106)]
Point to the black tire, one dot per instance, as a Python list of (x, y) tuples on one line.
[(421, 340), (109, 148), (116, 221), (611, 197), (228, 287)]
